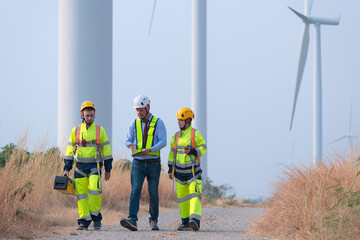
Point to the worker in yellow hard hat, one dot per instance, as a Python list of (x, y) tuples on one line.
[(88, 150), (187, 147)]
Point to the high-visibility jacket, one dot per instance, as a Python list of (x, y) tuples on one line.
[(150, 136), (86, 152), (178, 160)]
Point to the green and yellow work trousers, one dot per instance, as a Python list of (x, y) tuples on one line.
[(189, 200), (88, 191)]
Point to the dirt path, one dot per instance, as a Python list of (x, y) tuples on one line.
[(217, 223)]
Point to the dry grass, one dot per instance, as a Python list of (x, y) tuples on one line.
[(313, 203), (28, 203)]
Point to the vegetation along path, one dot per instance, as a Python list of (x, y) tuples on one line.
[(217, 223)]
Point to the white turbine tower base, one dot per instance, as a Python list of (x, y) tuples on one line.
[(317, 88), (85, 63), (198, 72)]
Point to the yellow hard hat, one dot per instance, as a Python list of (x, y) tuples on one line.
[(185, 113), (86, 104)]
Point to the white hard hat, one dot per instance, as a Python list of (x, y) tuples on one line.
[(141, 101)]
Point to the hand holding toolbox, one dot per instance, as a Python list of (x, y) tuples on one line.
[(64, 185)]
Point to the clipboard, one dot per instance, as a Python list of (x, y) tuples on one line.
[(136, 154)]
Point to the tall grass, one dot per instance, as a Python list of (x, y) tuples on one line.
[(315, 203), (29, 203)]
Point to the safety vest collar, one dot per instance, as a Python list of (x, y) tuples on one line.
[(150, 135), (84, 143)]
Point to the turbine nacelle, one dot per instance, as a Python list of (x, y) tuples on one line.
[(316, 20)]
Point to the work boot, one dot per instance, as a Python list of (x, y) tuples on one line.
[(184, 227), (129, 224), (97, 225), (153, 225), (194, 225), (82, 227)]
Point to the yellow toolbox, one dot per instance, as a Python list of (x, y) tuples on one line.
[(64, 184)]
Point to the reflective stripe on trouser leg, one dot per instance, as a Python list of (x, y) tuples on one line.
[(195, 202), (184, 206), (94, 196), (81, 186)]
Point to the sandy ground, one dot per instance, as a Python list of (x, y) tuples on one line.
[(217, 223)]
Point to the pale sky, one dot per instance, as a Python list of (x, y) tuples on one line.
[(252, 49)]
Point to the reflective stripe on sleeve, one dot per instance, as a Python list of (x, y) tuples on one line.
[(198, 152), (105, 143), (71, 144)]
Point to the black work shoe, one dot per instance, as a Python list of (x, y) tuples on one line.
[(97, 225), (184, 227), (194, 226), (129, 224), (153, 225), (82, 227)]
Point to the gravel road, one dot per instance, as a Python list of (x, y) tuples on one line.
[(216, 223)]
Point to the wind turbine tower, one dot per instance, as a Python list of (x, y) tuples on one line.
[(198, 72), (317, 89), (349, 135), (85, 63)]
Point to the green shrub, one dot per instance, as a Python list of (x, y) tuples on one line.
[(6, 152), (213, 192)]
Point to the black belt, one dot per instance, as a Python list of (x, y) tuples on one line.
[(155, 160)]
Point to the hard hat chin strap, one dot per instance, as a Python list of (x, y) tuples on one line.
[(187, 124)]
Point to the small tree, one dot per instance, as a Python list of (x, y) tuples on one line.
[(213, 192), (6, 152)]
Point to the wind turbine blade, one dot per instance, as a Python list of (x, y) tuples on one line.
[(302, 16), (302, 61), (152, 17), (336, 140), (308, 6), (350, 117)]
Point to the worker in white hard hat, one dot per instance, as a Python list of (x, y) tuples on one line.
[(145, 138), (88, 150)]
